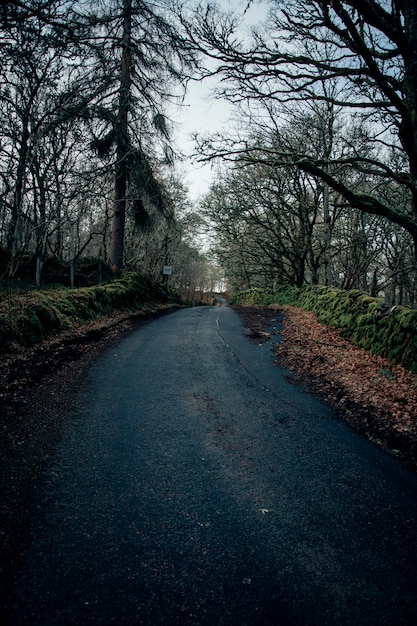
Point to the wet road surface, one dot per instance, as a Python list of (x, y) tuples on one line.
[(194, 485)]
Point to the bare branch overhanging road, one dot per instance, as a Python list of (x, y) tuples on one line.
[(194, 485)]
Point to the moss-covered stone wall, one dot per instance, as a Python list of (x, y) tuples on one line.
[(26, 319), (390, 332)]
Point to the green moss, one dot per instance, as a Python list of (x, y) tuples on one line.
[(256, 296), (30, 326), (352, 313), (30, 317)]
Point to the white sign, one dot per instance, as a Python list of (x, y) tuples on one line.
[(167, 270)]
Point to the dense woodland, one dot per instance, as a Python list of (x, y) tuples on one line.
[(317, 171), (87, 163)]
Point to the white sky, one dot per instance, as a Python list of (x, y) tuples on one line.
[(204, 114)]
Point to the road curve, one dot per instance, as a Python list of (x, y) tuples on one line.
[(194, 485)]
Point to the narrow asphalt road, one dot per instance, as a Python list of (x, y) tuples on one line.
[(194, 485)]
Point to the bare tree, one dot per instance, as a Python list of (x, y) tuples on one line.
[(265, 221), (31, 94), (367, 49), (82, 94), (19, 13)]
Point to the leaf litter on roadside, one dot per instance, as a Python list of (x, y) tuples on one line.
[(375, 396)]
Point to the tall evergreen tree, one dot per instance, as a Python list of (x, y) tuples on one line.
[(140, 59)]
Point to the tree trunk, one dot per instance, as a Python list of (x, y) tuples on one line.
[(72, 273), (39, 265), (122, 152), (328, 236), (40, 221), (408, 127), (119, 216), (12, 235)]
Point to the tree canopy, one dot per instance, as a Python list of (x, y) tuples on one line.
[(359, 56), (85, 141)]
